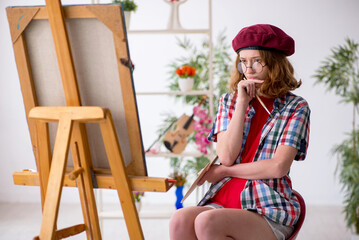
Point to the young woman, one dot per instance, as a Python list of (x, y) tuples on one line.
[(251, 195)]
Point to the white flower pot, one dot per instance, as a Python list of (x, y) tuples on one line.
[(127, 19), (138, 206), (185, 84), (354, 237)]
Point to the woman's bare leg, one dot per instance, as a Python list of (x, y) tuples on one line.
[(232, 224), (182, 223)]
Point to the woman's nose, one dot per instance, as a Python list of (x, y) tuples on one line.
[(250, 69)]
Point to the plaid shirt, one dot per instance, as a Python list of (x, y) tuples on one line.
[(272, 198)]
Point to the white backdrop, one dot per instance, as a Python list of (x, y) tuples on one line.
[(316, 26)]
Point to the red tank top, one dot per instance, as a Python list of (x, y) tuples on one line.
[(229, 196)]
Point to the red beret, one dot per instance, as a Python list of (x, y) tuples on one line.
[(263, 37)]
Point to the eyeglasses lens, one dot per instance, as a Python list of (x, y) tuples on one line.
[(256, 67)]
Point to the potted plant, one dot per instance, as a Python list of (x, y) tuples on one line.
[(181, 179), (185, 74), (198, 56), (340, 72), (137, 196), (128, 7)]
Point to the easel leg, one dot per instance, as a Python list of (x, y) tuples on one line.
[(57, 171), (43, 154), (118, 169), (99, 200)]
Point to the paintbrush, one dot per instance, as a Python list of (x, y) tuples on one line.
[(260, 101), (264, 106)]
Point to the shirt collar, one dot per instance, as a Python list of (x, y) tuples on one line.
[(281, 101), (278, 104)]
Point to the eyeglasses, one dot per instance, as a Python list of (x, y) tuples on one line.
[(257, 67)]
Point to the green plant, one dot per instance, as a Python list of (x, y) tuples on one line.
[(198, 57), (196, 165), (128, 5), (340, 72), (184, 167), (137, 196), (178, 174), (348, 154)]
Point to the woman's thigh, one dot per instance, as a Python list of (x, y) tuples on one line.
[(232, 224)]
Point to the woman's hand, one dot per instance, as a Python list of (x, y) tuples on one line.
[(247, 89), (213, 175)]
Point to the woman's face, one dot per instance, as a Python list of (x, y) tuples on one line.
[(252, 65)]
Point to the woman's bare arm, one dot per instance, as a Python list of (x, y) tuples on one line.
[(229, 142), (276, 167)]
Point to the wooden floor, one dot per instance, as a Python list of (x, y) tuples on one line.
[(22, 221)]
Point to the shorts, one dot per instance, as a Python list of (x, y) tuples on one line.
[(282, 232)]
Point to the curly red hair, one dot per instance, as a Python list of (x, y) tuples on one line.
[(280, 80)]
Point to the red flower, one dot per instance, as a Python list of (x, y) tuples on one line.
[(179, 71), (186, 71)]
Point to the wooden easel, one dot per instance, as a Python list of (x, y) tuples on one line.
[(72, 132)]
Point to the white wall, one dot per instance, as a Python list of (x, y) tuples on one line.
[(316, 27)]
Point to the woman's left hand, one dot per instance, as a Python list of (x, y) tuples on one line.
[(213, 175)]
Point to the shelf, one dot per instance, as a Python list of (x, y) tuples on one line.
[(206, 92), (146, 212), (183, 154), (142, 214), (170, 31)]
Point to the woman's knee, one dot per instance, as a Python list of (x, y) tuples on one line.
[(205, 223), (177, 218), (181, 220)]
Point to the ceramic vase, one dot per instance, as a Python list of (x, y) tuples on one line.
[(179, 197), (185, 84), (138, 206), (173, 22), (127, 19)]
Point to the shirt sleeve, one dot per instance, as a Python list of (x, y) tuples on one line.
[(296, 132), (222, 119)]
